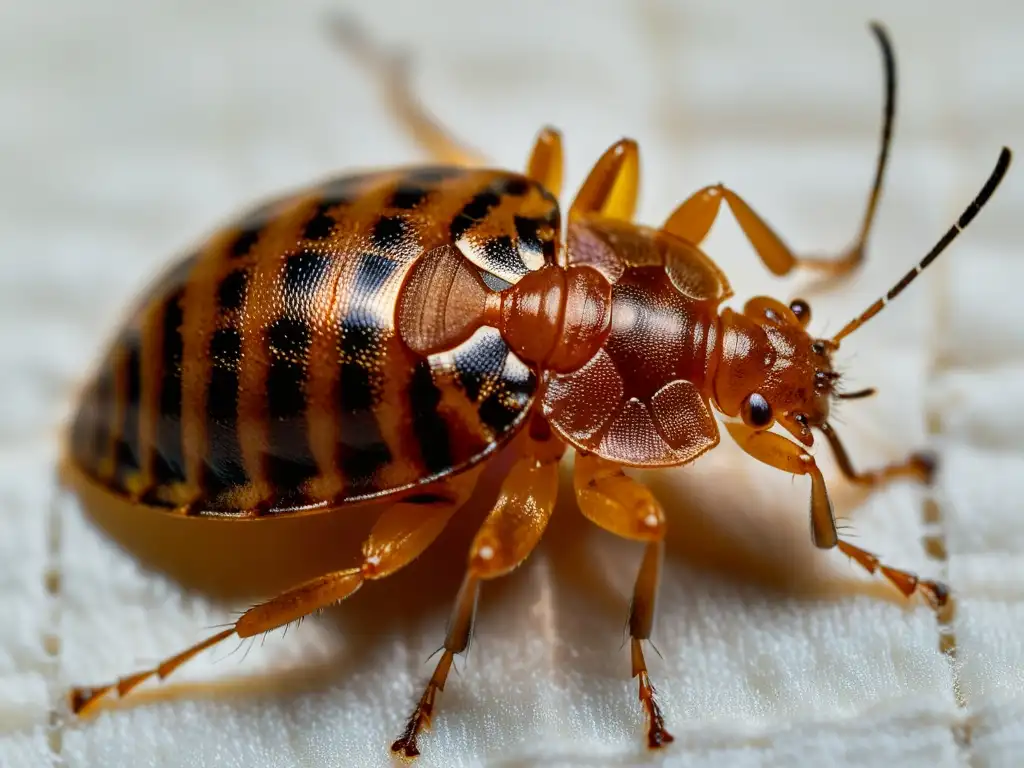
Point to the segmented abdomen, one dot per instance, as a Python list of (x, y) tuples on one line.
[(265, 374)]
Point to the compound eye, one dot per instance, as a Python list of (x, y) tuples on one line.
[(802, 310), (756, 412)]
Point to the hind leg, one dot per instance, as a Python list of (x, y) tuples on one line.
[(391, 71), (399, 536)]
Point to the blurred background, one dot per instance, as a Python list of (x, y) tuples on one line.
[(131, 130)]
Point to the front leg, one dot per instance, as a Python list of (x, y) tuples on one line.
[(626, 508), (693, 219), (783, 454), (916, 466)]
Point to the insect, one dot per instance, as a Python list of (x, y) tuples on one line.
[(371, 342)]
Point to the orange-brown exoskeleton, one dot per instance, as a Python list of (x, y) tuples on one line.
[(374, 338)]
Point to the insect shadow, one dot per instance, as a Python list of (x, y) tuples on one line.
[(730, 525)]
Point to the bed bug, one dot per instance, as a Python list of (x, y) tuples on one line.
[(375, 339)]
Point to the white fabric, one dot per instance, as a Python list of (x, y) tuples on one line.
[(131, 128)]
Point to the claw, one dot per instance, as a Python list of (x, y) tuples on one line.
[(925, 464), (419, 721), (937, 593), (657, 736)]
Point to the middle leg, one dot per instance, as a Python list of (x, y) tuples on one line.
[(620, 505), (507, 537)]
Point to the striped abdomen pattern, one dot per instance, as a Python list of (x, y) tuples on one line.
[(264, 373)]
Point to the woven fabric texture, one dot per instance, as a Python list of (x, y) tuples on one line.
[(130, 129)]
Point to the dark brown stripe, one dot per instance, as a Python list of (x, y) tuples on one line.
[(514, 186), (168, 461), (103, 410), (501, 254), (499, 411), (243, 244), (289, 460), (388, 233), (511, 398), (303, 272), (231, 291), (321, 225), (407, 196), (432, 174), (428, 426), (481, 366), (527, 229), (343, 190), (251, 228), (362, 451), (91, 433), (371, 273), (479, 362), (224, 468), (127, 452), (82, 430), (473, 212)]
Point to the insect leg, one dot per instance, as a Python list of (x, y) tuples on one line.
[(786, 455), (611, 188), (545, 164), (626, 508), (916, 466), (692, 220), (399, 536), (506, 538), (391, 71)]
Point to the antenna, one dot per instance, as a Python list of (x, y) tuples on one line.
[(856, 395), (1002, 164), (889, 60)]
